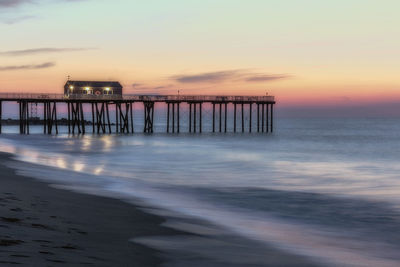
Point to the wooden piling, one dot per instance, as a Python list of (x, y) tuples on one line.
[(194, 117), (82, 118), (226, 116), (173, 117), (148, 116), (234, 117), (1, 116), (267, 118), (190, 117), (213, 119), (168, 117), (178, 117), (69, 117), (201, 117), (262, 116), (124, 113), (272, 117), (250, 119), (108, 118), (55, 116), (258, 117), (242, 117), (220, 117), (131, 111), (93, 122)]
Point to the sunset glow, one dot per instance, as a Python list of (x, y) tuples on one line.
[(303, 52)]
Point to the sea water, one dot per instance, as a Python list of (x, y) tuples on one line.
[(327, 190)]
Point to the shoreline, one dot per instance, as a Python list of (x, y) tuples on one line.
[(42, 225)]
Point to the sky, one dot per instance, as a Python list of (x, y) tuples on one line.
[(313, 53)]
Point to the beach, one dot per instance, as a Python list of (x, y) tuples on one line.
[(287, 199), (44, 226)]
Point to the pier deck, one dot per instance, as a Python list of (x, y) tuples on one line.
[(102, 122)]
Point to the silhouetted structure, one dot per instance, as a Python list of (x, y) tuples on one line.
[(79, 89), (101, 120)]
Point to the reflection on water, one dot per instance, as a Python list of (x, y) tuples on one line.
[(325, 190)]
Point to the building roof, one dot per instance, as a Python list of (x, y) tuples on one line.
[(94, 83)]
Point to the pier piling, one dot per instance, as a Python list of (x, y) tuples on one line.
[(124, 119), (148, 116)]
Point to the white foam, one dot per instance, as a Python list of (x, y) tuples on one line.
[(324, 244)]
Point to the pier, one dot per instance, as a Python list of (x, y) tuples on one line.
[(259, 110)]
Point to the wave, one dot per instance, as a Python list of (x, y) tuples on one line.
[(345, 231)]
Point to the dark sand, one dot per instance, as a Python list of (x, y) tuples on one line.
[(44, 226)]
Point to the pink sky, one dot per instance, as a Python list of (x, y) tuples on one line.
[(306, 53)]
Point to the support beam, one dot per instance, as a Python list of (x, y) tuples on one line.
[(125, 117), (194, 117), (131, 110), (20, 116), (258, 117), (190, 117), (44, 117), (178, 117), (234, 117), (272, 118), (103, 109), (267, 118), (226, 116), (116, 118), (173, 117), (82, 118), (213, 119), (242, 117), (120, 121), (201, 117), (100, 118), (262, 116), (23, 117), (250, 118), (69, 117), (55, 115), (148, 116), (27, 117), (93, 122), (168, 105), (108, 118), (1, 116), (220, 117), (76, 115)]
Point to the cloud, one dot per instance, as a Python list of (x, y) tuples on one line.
[(266, 77), (144, 87), (162, 87), (16, 19), (225, 75), (135, 85), (209, 77), (13, 3), (16, 3), (28, 67), (41, 51)]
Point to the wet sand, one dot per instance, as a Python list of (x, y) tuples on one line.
[(45, 226)]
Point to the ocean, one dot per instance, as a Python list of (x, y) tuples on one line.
[(323, 190)]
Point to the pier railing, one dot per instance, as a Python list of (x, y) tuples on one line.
[(122, 108), (133, 97)]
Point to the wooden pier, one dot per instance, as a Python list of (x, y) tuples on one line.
[(102, 123)]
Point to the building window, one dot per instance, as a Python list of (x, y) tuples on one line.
[(87, 91), (107, 91)]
